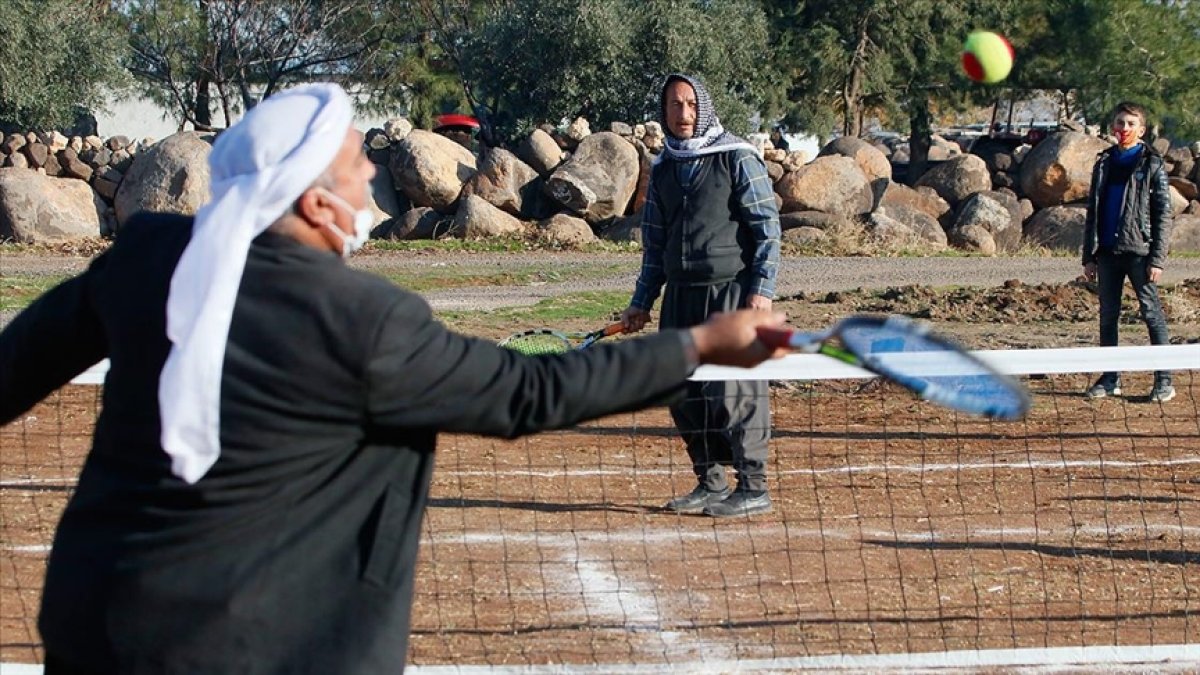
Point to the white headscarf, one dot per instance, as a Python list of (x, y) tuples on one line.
[(259, 166)]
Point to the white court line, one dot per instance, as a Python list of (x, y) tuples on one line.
[(1178, 658), (639, 535), (656, 535), (858, 468), (1097, 659)]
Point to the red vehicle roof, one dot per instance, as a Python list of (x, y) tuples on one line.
[(455, 120)]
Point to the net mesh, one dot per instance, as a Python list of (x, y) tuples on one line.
[(898, 527)]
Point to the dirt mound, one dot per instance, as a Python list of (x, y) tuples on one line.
[(1013, 303)]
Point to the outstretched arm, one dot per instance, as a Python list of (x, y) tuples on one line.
[(54, 339)]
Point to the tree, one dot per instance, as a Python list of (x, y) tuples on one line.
[(1105, 51), (56, 59), (422, 62), (244, 50), (884, 58), (605, 59)]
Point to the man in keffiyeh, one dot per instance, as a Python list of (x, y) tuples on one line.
[(710, 233), (252, 501)]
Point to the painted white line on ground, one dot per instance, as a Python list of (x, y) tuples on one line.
[(1061, 536), (1097, 659), (1163, 658), (1022, 465), (1045, 536), (37, 548)]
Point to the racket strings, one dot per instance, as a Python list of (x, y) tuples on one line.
[(533, 344)]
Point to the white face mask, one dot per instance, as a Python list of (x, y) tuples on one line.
[(364, 220)]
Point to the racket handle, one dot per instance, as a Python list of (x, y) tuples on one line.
[(776, 337), (613, 329)]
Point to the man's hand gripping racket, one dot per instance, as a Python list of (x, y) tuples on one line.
[(546, 341), (905, 352)]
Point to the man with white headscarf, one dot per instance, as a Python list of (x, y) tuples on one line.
[(253, 497), (710, 233)]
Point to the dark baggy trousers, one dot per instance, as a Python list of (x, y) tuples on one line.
[(1111, 271), (723, 423)]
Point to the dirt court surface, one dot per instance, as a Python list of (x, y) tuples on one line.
[(897, 527)]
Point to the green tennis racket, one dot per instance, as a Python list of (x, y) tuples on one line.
[(547, 341)]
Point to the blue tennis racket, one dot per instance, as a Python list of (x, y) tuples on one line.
[(906, 352)]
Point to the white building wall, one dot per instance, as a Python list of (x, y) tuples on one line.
[(138, 117)]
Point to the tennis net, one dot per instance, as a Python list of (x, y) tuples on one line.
[(901, 535)]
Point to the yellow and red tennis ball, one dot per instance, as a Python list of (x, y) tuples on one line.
[(987, 57)]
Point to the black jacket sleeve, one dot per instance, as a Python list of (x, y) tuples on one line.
[(424, 376), (53, 340)]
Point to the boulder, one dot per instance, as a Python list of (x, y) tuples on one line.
[(893, 234), (36, 153), (171, 176), (874, 164), (12, 143), (916, 220), (1181, 161), (645, 164), (774, 171), (924, 199), (386, 204), (831, 184), (477, 219), (431, 169), (812, 219), (507, 183), (40, 209), (73, 166), (1178, 203), (973, 237), (598, 181), (958, 178), (1186, 188), (998, 213), (1185, 236), (1059, 169), (397, 129), (654, 138), (564, 230), (540, 152), (1057, 227), (419, 223), (804, 236), (625, 229)]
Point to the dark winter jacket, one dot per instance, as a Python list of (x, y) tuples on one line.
[(1146, 219)]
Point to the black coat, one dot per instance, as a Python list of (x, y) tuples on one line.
[(295, 552), (1146, 215)]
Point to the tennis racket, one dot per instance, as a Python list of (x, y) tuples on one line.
[(546, 341), (906, 352)]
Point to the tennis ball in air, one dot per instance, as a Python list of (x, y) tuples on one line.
[(987, 57)]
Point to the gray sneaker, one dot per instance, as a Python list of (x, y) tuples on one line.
[(1104, 388), (740, 503), (696, 500), (1162, 392)]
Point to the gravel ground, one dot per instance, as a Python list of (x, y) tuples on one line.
[(964, 291), (795, 274)]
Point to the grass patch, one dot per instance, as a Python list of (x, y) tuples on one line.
[(572, 312), (17, 292), (457, 276)]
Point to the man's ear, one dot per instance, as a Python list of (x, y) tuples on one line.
[(313, 207)]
